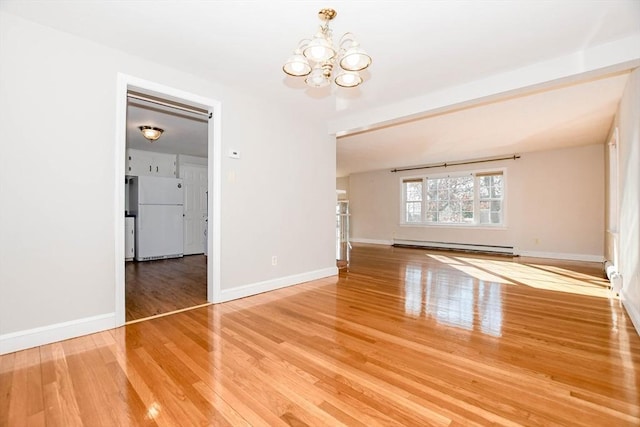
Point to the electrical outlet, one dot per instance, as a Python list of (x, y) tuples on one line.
[(274, 260)]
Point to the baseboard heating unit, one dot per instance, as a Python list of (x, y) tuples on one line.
[(460, 247), (615, 279)]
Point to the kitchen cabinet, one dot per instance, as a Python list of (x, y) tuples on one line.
[(148, 163), (129, 238)]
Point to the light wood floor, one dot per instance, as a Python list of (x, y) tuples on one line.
[(162, 286), (404, 337)]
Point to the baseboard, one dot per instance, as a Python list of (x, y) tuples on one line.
[(562, 255), (29, 338), (273, 284), (465, 247), (372, 241), (632, 311)]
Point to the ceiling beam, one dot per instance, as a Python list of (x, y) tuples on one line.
[(589, 64)]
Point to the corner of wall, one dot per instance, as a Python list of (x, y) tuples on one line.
[(632, 310)]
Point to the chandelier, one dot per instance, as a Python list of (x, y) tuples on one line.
[(316, 58)]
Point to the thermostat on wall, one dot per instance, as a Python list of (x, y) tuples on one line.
[(234, 154)]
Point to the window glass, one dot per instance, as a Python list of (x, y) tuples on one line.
[(413, 200), (471, 199)]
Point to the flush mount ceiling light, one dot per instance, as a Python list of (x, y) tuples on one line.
[(150, 132), (316, 58)]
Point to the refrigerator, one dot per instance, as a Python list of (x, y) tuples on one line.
[(157, 204)]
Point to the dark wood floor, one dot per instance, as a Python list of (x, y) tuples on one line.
[(163, 286), (402, 337)]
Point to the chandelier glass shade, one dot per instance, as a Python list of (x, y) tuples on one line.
[(316, 58), (297, 65)]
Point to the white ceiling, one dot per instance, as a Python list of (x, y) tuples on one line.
[(579, 114), (418, 47), (184, 132)]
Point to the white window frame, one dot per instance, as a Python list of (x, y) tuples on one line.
[(476, 201), (403, 206)]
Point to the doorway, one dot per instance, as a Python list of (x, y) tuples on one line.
[(211, 269)]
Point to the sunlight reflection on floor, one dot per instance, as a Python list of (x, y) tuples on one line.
[(473, 301), (468, 305), (534, 275)]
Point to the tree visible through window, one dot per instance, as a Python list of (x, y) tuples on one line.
[(490, 192), (450, 200), (472, 199), (413, 200)]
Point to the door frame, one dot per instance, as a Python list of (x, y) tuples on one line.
[(214, 170)]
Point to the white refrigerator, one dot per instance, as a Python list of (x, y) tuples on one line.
[(157, 203)]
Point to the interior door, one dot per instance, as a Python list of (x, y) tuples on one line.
[(195, 208)]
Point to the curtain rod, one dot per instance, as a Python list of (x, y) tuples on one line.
[(169, 104), (468, 162)]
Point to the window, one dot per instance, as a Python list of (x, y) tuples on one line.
[(450, 200), (469, 199), (413, 200), (490, 197)]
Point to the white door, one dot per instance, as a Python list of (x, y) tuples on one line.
[(194, 178)]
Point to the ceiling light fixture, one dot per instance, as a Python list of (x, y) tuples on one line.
[(315, 58), (150, 132)]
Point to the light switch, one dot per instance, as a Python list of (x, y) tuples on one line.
[(234, 154)]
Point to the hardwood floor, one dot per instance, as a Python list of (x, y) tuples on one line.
[(162, 286), (402, 337)]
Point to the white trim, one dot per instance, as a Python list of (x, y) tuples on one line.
[(124, 83), (214, 223), (16, 341), (120, 150), (273, 284), (516, 252), (562, 255), (372, 241), (632, 311)]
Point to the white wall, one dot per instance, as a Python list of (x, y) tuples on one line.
[(276, 197), (57, 255), (628, 123), (554, 206)]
